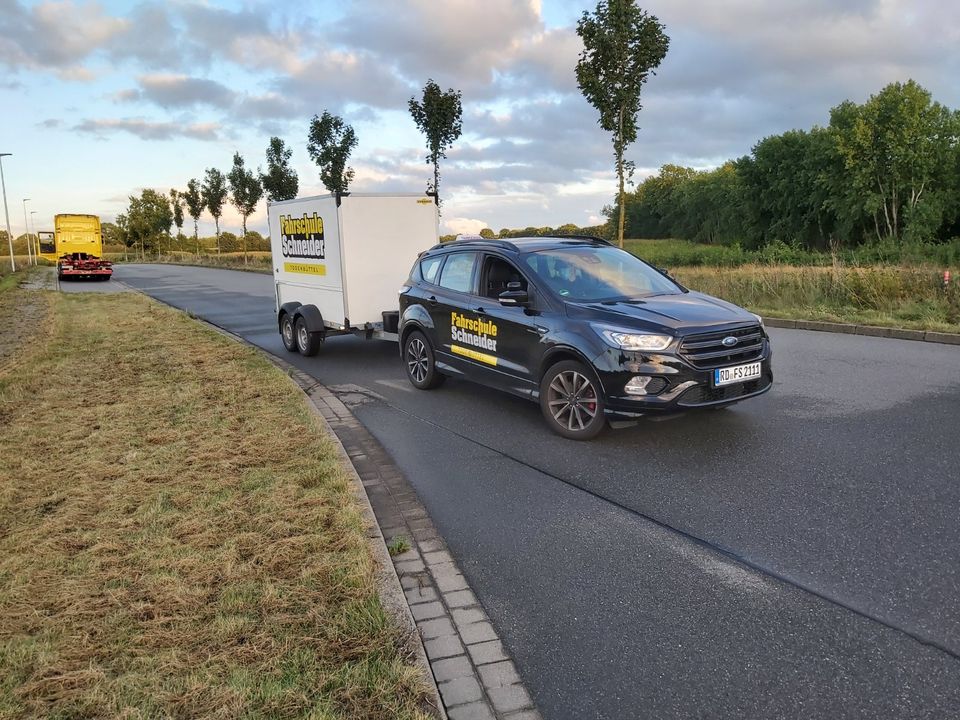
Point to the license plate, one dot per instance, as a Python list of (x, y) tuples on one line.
[(735, 374)]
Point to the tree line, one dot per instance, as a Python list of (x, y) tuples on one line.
[(330, 141), (886, 171)]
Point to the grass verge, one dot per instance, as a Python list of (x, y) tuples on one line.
[(177, 538), (912, 298)]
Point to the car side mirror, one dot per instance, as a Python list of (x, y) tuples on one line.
[(514, 295)]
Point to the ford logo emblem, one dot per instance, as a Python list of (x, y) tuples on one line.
[(729, 341)]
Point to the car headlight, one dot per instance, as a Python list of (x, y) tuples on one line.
[(626, 340), (759, 319)]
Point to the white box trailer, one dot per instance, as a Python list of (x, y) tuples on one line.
[(339, 262)]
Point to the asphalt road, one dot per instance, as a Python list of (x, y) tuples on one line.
[(797, 555)]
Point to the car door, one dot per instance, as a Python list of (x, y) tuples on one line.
[(448, 303), (513, 354)]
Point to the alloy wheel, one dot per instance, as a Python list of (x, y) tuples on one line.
[(572, 400)]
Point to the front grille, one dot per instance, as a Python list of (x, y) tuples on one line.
[(707, 351), (704, 394)]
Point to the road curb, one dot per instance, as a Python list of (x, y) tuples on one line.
[(469, 672), (868, 330)]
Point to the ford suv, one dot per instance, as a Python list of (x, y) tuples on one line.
[(586, 329)]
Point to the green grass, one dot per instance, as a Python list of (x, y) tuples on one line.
[(177, 538), (907, 297), (672, 253)]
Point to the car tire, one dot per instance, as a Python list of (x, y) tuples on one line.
[(419, 362), (308, 343), (287, 333), (571, 401)]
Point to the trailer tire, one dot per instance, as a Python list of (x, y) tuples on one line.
[(419, 362), (287, 333), (308, 343)]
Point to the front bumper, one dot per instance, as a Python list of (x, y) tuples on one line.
[(686, 387)]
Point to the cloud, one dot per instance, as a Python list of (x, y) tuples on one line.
[(54, 35), (464, 226), (50, 123), (150, 130), (179, 91)]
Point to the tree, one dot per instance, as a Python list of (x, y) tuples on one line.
[(146, 220), (247, 191), (214, 194), (622, 47), (895, 149), (280, 181), (195, 204), (176, 202), (439, 117), (329, 144)]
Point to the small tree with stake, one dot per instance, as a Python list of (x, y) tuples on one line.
[(214, 194), (195, 203), (329, 144), (176, 202), (439, 117), (622, 45), (247, 191), (280, 181)]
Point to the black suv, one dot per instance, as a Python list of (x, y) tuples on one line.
[(590, 331)]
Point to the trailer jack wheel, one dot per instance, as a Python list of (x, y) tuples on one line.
[(308, 343)]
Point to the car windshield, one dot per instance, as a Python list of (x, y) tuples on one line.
[(597, 274)]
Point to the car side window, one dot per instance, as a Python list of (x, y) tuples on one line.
[(430, 268), (458, 272), (497, 276)]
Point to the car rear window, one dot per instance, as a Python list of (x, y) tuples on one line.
[(430, 267), (458, 272)]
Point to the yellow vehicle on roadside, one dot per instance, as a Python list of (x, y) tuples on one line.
[(77, 247)]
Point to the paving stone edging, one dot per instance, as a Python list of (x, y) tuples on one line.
[(472, 675), (870, 330)]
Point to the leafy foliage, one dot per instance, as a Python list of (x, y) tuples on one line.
[(622, 47), (247, 192), (329, 144), (887, 171), (176, 203), (280, 181), (214, 195), (194, 199), (146, 221), (439, 117)]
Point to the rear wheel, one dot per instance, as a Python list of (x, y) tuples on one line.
[(308, 343), (287, 333), (419, 362), (571, 401)]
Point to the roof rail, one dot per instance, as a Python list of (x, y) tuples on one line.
[(478, 240)]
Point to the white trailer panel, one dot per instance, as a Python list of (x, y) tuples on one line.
[(350, 258)]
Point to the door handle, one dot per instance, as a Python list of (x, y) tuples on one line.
[(432, 300), (479, 310)]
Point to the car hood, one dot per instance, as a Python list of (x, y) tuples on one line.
[(677, 314)]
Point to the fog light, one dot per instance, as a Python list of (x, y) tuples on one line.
[(637, 385)]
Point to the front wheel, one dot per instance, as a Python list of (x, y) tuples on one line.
[(308, 343), (419, 362), (287, 333), (571, 401)]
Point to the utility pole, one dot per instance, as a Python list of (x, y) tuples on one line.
[(6, 211), (26, 231)]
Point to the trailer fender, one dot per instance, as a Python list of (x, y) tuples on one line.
[(311, 315), (288, 308)]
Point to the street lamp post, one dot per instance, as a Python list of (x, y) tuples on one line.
[(26, 231), (6, 211)]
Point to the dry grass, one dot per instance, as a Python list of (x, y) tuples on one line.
[(176, 537), (911, 297)]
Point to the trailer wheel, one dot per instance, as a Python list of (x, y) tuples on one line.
[(308, 343), (287, 333), (419, 362)]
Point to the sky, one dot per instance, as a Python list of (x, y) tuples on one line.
[(99, 100)]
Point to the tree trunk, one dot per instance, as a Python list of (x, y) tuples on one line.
[(216, 221), (245, 240), (196, 236), (620, 195)]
